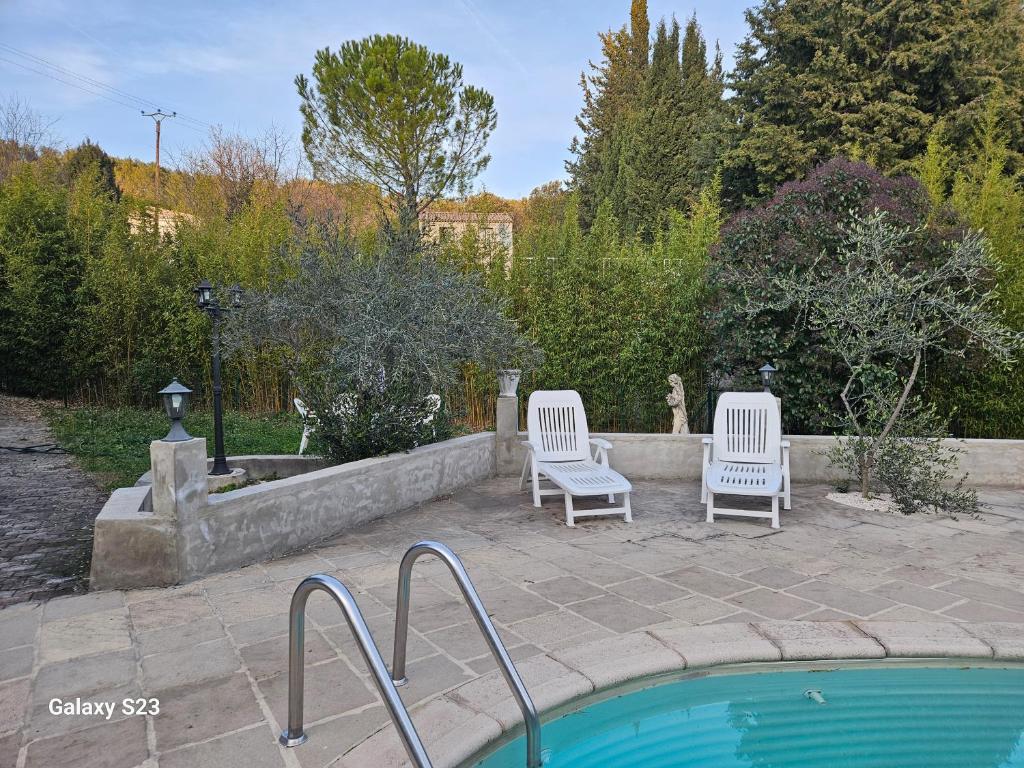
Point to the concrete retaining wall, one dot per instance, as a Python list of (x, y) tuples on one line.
[(263, 521), (678, 457), (174, 531)]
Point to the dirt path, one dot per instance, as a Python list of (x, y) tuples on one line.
[(47, 508)]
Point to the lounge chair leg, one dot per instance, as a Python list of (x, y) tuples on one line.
[(522, 475), (703, 490), (611, 498), (536, 483), (569, 519), (625, 503), (710, 499), (788, 500), (775, 512)]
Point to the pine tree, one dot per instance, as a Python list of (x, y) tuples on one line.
[(815, 79)]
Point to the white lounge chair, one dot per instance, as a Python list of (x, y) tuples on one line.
[(558, 450), (747, 455)]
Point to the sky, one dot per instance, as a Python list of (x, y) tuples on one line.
[(228, 63)]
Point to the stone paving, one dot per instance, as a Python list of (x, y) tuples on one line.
[(214, 652), (47, 509)]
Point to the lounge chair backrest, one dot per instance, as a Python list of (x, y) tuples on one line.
[(748, 428), (557, 424)]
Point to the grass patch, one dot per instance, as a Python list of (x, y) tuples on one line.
[(113, 443)]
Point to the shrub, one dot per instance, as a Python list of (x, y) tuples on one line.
[(802, 225), (369, 335), (880, 309)]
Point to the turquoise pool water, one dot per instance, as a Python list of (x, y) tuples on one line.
[(882, 717)]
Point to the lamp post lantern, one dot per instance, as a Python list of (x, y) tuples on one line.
[(208, 302), (767, 372), (175, 397)]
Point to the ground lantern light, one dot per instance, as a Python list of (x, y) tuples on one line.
[(175, 397), (207, 301), (767, 372)]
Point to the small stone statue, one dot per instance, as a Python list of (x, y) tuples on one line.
[(676, 400)]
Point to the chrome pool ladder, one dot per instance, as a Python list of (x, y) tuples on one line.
[(386, 682)]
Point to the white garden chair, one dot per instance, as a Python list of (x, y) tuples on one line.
[(558, 450), (307, 424), (746, 456)]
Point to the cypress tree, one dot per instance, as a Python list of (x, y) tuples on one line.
[(609, 102)]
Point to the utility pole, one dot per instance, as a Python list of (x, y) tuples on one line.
[(158, 118)]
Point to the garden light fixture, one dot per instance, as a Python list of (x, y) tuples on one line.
[(175, 396), (767, 372), (204, 294), (208, 302)]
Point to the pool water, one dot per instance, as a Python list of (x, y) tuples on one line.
[(882, 717)]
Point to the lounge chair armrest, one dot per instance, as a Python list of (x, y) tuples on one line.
[(600, 442), (785, 444), (707, 440), (530, 445)]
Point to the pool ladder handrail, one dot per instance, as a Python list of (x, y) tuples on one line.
[(386, 682), (294, 735), (483, 621)]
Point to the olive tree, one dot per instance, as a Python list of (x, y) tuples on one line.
[(388, 111), (367, 337), (882, 310)]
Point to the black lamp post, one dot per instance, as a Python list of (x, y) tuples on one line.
[(175, 397), (767, 372), (209, 303)]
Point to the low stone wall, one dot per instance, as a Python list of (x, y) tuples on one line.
[(997, 463), (271, 519), (174, 530)]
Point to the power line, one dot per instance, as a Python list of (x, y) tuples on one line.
[(90, 84), (90, 91)]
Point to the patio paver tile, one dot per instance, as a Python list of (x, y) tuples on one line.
[(82, 676), (775, 577), (209, 661), (197, 712), (331, 689), (19, 626), (841, 598), (618, 614), (117, 744), (707, 582), (84, 635), (252, 748), (270, 657), (565, 589), (13, 697), (915, 595), (975, 611), (16, 662), (648, 591), (977, 590), (772, 604)]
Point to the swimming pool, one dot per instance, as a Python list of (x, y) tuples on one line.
[(882, 717)]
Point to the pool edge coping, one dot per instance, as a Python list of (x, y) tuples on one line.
[(459, 725)]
